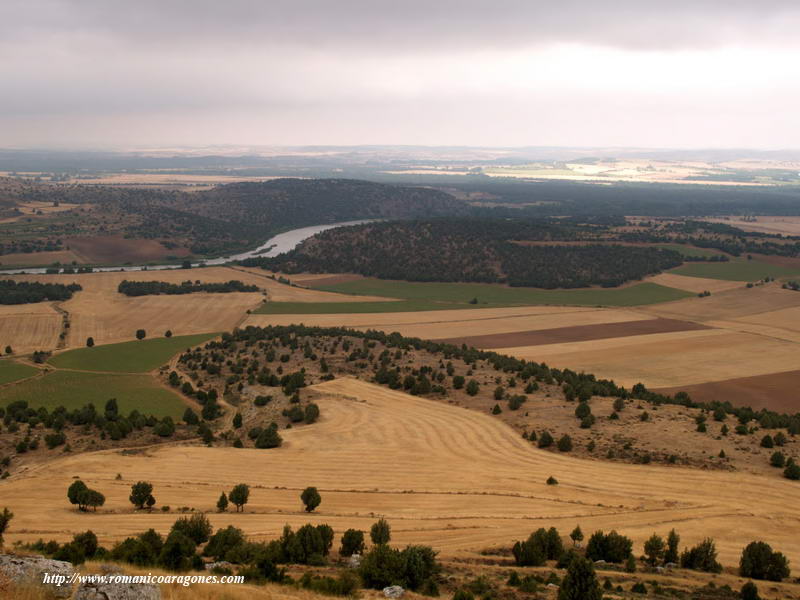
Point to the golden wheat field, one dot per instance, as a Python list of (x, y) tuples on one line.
[(454, 478), (694, 284), (29, 327), (440, 324), (101, 312)]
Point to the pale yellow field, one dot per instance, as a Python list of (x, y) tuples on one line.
[(29, 327), (670, 359), (446, 476), (101, 312), (765, 224), (438, 324), (694, 284), (731, 304)]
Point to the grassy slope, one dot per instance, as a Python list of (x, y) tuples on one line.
[(74, 390), (496, 295), (686, 250), (14, 371), (128, 357), (735, 270)]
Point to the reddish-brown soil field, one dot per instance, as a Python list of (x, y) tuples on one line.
[(577, 333), (775, 391), (116, 249)]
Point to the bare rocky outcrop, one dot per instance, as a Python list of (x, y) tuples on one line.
[(393, 591), (118, 591), (26, 570)]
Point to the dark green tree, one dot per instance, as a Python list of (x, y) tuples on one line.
[(749, 592), (758, 561), (580, 581), (310, 498), (140, 492), (671, 553), (239, 496), (140, 334), (222, 503), (380, 533), (654, 549), (352, 542), (5, 521)]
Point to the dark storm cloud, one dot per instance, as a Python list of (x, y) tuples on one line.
[(416, 25)]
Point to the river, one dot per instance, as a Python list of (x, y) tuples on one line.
[(283, 242)]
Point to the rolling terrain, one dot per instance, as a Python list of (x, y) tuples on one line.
[(453, 478)]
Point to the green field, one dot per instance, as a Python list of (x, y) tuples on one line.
[(317, 308), (735, 270), (128, 357), (457, 295), (685, 250), (74, 390), (14, 371)]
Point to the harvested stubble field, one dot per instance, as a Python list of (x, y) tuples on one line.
[(739, 332), (448, 323), (29, 327), (693, 284), (101, 312), (457, 479), (670, 359)]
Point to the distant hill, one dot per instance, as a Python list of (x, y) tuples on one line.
[(229, 217), (473, 250)]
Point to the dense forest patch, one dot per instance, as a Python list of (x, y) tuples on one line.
[(27, 292), (472, 250), (155, 288)]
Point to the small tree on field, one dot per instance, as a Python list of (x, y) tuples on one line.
[(197, 527), (380, 533), (671, 553), (89, 342), (760, 562), (545, 440), (311, 498), (749, 592), (472, 388), (576, 536), (94, 499), (140, 492), (140, 334), (237, 420), (778, 459), (352, 542), (792, 470), (565, 443), (168, 333), (5, 520), (239, 496), (222, 503), (654, 549), (580, 581)]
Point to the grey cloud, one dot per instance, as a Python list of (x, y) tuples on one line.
[(397, 26)]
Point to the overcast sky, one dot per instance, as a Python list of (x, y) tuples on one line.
[(645, 73)]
